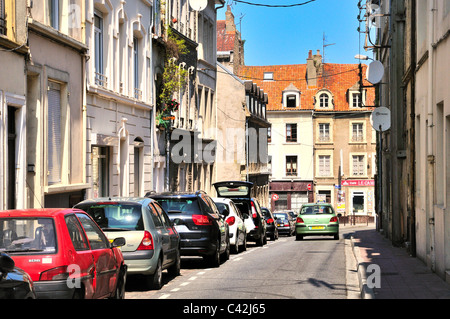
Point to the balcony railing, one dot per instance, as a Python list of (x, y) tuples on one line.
[(101, 79), (137, 94)]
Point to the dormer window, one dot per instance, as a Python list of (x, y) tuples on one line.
[(323, 100), (291, 97), (291, 101), (268, 76)]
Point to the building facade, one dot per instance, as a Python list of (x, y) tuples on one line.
[(13, 111), (321, 142), (414, 200)]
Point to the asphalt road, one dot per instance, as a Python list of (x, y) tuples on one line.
[(315, 268)]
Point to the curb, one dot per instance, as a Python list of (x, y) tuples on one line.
[(366, 292)]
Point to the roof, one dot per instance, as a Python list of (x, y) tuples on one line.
[(36, 212), (337, 78)]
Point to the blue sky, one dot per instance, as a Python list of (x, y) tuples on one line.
[(277, 36)]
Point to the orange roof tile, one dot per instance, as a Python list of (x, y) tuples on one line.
[(337, 78)]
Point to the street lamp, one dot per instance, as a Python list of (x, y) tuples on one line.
[(362, 57)]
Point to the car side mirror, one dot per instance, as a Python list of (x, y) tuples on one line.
[(117, 242), (339, 215), (6, 264)]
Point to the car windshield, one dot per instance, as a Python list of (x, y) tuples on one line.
[(185, 205), (30, 235), (317, 209), (115, 216)]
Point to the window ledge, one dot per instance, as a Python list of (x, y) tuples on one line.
[(63, 188)]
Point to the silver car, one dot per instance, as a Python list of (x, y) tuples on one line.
[(152, 243)]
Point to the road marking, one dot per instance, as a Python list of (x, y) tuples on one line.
[(164, 296), (193, 278), (201, 273), (175, 289), (185, 283)]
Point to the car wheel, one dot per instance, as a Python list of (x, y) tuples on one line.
[(336, 236), (244, 244), (175, 269), (214, 260), (120, 288), (299, 237), (226, 254), (235, 248), (155, 281)]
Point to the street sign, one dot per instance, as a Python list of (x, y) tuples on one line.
[(275, 197), (309, 187)]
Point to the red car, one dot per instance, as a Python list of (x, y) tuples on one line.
[(65, 253)]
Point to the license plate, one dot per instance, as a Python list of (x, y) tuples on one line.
[(317, 227)]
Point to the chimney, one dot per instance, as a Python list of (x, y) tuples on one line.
[(313, 68), (310, 70), (230, 26)]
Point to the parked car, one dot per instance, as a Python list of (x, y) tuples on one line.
[(65, 253), (285, 223), (271, 228), (316, 220), (240, 193), (236, 222), (153, 244), (203, 231), (14, 282)]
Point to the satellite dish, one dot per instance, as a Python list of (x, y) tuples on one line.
[(381, 119), (198, 5), (375, 72)]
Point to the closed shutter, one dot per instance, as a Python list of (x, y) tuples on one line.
[(54, 134)]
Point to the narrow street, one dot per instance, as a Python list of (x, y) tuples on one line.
[(315, 268)]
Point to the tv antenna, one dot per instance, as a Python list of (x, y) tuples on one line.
[(323, 58)]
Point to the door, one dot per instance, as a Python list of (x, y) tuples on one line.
[(106, 270), (170, 232), (163, 234), (100, 171), (11, 197)]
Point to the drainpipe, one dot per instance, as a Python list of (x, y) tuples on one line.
[(430, 125)]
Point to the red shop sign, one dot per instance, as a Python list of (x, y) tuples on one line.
[(358, 182)]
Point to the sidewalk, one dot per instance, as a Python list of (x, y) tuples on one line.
[(401, 276)]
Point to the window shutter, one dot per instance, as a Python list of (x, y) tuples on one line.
[(54, 134)]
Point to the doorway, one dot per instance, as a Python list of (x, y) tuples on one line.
[(11, 169)]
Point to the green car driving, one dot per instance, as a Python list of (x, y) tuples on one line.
[(317, 220)]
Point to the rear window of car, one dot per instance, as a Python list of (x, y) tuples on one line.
[(317, 209), (226, 191), (222, 207), (115, 216), (27, 235), (281, 215), (185, 205)]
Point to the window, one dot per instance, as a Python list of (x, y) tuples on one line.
[(291, 165), (323, 100), (268, 76), (76, 233), (100, 79), (155, 216), (357, 132), (324, 132), (95, 236), (358, 165), (269, 134), (53, 12), (54, 134), (2, 18), (137, 91), (324, 165), (356, 98), (291, 132), (291, 101)]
